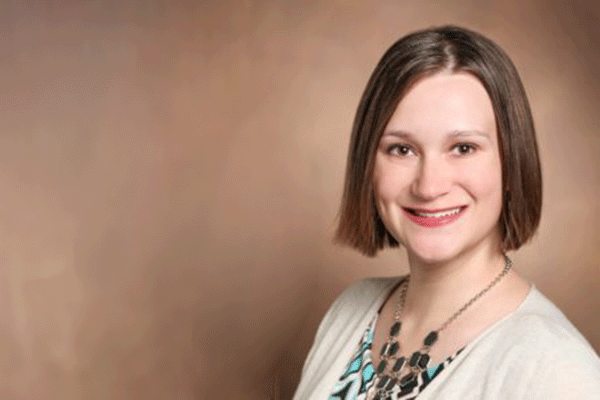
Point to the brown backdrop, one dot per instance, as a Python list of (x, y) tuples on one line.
[(170, 174)]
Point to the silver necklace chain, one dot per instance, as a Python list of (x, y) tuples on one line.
[(507, 267)]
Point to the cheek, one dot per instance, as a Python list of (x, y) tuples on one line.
[(485, 183), (384, 190), (388, 184)]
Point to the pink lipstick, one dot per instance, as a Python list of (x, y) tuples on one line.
[(434, 218)]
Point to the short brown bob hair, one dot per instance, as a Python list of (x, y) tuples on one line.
[(413, 57)]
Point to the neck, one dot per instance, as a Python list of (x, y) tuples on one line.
[(438, 290)]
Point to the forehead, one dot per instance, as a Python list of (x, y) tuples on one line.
[(442, 103)]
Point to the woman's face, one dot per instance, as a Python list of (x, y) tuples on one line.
[(438, 176)]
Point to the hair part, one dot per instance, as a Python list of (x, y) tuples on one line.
[(410, 59)]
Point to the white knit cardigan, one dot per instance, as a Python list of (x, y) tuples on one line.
[(532, 353)]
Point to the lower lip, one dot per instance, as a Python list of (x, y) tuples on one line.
[(434, 222)]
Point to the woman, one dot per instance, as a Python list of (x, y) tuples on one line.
[(443, 160)]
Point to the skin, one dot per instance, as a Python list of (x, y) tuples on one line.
[(439, 151)]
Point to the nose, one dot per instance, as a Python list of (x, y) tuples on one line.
[(431, 180)]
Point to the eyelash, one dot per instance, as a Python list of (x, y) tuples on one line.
[(390, 149)]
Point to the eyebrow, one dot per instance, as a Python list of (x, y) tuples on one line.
[(451, 134)]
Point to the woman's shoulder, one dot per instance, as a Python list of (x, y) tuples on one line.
[(539, 320), (538, 340), (545, 341), (356, 301), (535, 350)]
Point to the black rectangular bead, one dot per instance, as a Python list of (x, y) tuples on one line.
[(393, 349), (398, 364), (383, 349), (414, 359), (431, 338), (407, 379), (391, 384), (395, 329), (382, 381), (381, 367)]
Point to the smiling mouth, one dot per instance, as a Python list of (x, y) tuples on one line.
[(436, 214)]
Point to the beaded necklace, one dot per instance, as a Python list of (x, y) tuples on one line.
[(397, 370)]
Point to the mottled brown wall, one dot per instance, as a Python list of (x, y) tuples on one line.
[(170, 175)]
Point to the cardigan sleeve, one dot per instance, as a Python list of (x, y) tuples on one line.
[(570, 372), (324, 326)]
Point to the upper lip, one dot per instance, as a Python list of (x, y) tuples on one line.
[(425, 210)]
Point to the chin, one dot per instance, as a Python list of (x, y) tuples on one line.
[(433, 258), (434, 253)]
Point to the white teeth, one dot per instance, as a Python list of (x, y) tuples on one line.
[(439, 214)]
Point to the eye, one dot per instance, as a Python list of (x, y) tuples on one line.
[(464, 148), (398, 149)]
